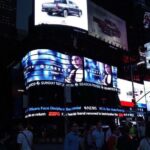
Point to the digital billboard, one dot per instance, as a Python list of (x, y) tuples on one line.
[(55, 111), (49, 65), (126, 93), (100, 73), (61, 12), (106, 26), (139, 93), (147, 93)]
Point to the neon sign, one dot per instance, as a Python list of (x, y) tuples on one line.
[(54, 113)]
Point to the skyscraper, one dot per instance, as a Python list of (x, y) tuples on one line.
[(7, 17)]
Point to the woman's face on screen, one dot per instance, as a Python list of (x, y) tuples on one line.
[(107, 69), (76, 61)]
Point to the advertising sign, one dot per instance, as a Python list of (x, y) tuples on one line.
[(61, 12), (147, 94), (49, 65), (107, 27), (100, 73), (126, 93), (139, 93)]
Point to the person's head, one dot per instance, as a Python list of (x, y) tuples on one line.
[(21, 126), (74, 127), (115, 130), (99, 125), (112, 125), (77, 61), (107, 69), (125, 130), (130, 124), (93, 127)]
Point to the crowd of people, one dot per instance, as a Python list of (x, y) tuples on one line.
[(17, 137), (127, 136)]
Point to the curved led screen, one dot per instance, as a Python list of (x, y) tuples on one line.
[(61, 12), (48, 67), (100, 73), (55, 111)]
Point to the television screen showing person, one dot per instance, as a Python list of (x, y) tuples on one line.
[(146, 20), (93, 71), (76, 73), (107, 79)]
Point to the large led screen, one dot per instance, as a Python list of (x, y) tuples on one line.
[(126, 93), (61, 12), (49, 65), (107, 27), (139, 93), (147, 94), (100, 73)]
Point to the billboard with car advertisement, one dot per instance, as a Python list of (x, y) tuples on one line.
[(61, 12), (106, 26)]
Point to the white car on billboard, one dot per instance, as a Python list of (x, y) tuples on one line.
[(62, 8)]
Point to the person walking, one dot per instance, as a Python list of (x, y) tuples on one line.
[(24, 137), (98, 136), (145, 142), (72, 139)]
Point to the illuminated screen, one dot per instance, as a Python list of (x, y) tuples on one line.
[(147, 54), (106, 26), (49, 65), (139, 93), (147, 93), (126, 93), (61, 12), (146, 20), (100, 73)]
